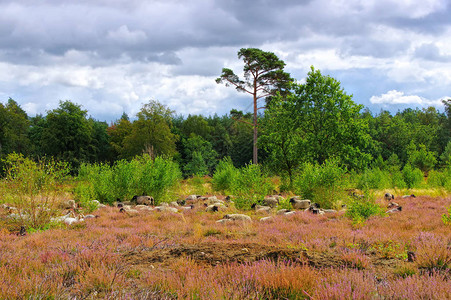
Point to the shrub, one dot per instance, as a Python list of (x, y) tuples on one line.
[(440, 179), (33, 188), (124, 179), (446, 218), (225, 175), (374, 179), (361, 209), (413, 177), (323, 184)]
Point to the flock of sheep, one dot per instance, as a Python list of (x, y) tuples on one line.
[(212, 204)]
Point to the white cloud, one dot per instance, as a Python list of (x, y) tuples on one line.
[(397, 97)]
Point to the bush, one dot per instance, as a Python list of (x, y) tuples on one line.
[(225, 176), (248, 184), (440, 179), (32, 187), (361, 209), (324, 184), (374, 179), (123, 180), (446, 218), (413, 177)]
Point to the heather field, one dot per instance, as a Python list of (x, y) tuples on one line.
[(150, 254)]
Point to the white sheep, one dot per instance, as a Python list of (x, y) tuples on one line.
[(238, 217), (300, 204), (145, 200), (271, 201), (409, 196), (260, 208)]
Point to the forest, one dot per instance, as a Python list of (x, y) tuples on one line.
[(315, 123)]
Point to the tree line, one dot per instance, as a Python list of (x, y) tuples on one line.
[(309, 122)]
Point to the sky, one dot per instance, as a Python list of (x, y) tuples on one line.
[(113, 56)]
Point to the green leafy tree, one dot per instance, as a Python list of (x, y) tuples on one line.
[(151, 132), (263, 77), (200, 156), (14, 129), (67, 134), (420, 157), (117, 133), (321, 122)]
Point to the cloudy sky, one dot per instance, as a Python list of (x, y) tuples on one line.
[(111, 56)]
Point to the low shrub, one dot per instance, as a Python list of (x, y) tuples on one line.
[(360, 209), (440, 179), (248, 184), (374, 179), (225, 176), (33, 188), (413, 177), (446, 217), (324, 184), (140, 176)]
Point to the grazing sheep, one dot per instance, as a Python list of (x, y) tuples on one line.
[(69, 204), (283, 211), (192, 198), (265, 219), (143, 200), (187, 207), (174, 204), (392, 205), (166, 208), (289, 213), (271, 201), (409, 196), (224, 221), (389, 196), (260, 208), (212, 208), (130, 212), (237, 217), (394, 210), (300, 204), (181, 202), (329, 211)]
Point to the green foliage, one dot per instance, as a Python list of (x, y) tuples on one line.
[(150, 133), (225, 176), (316, 122), (33, 188), (123, 180), (248, 184), (440, 179), (200, 156), (413, 177), (67, 134), (446, 218), (264, 77), (420, 157), (361, 209), (445, 157), (373, 179), (324, 184)]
